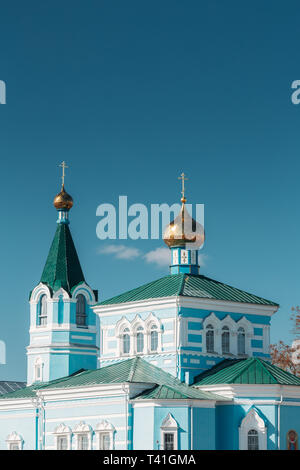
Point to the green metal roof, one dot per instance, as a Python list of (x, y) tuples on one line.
[(246, 371), (188, 285), (62, 268), (130, 370), (163, 392)]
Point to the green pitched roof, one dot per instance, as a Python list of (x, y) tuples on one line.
[(130, 370), (62, 268), (161, 392), (246, 371), (188, 285)]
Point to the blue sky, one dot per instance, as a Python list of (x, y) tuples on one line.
[(131, 94)]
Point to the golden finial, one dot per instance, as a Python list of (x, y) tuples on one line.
[(63, 200), (183, 179), (63, 166)]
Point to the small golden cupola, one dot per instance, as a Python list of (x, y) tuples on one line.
[(184, 236), (63, 200)]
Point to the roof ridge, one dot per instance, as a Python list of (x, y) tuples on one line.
[(66, 257), (181, 288), (261, 362), (133, 369), (245, 368)]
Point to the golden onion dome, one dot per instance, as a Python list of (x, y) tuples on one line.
[(63, 200), (183, 230)]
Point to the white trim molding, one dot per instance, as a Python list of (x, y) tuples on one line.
[(132, 327), (252, 421), (83, 429), (233, 326), (169, 426), (14, 441), (102, 428), (63, 431)]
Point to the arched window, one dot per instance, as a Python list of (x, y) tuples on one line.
[(14, 441), (241, 341), (153, 339), (225, 340), (83, 436), (126, 341), (81, 310), (210, 338), (105, 433), (42, 311), (253, 440), (63, 435), (140, 339)]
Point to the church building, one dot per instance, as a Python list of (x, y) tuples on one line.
[(181, 362)]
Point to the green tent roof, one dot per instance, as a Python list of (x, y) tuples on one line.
[(130, 370), (62, 268), (246, 371), (188, 285)]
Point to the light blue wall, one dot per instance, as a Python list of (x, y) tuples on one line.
[(21, 421), (143, 428), (204, 425), (289, 420), (229, 418), (89, 410)]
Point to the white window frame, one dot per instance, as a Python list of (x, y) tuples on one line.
[(252, 421), (14, 439), (151, 321), (169, 426), (42, 319), (104, 427), (233, 334), (83, 429), (63, 431), (124, 323)]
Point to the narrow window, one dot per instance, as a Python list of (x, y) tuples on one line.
[(140, 340), (168, 441), (154, 339), (81, 310), (126, 341), (14, 446), (253, 440), (62, 443), (225, 340), (104, 441), (210, 338), (38, 370), (241, 341), (42, 311), (82, 442)]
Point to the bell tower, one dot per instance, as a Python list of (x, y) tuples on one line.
[(63, 330)]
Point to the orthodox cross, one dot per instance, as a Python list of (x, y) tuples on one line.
[(183, 179), (63, 166)]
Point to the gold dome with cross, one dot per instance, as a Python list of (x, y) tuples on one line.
[(184, 229), (63, 200)]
